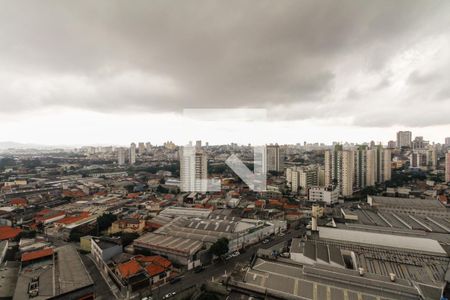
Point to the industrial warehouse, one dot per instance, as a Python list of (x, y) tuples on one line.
[(181, 238)]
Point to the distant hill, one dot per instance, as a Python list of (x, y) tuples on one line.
[(15, 145)]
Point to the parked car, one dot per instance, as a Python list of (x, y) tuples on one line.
[(167, 296), (266, 241)]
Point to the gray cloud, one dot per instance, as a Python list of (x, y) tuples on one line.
[(165, 56)]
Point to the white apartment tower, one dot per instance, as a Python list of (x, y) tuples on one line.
[(141, 148), (121, 156), (447, 166), (132, 158), (340, 169), (346, 174), (432, 157), (302, 178), (387, 165), (193, 170), (404, 139), (359, 168), (371, 167), (273, 158)]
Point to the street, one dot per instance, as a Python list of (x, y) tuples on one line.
[(102, 290), (217, 269)]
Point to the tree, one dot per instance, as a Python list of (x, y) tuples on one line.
[(75, 235), (128, 237), (220, 247), (207, 296), (105, 221), (162, 190), (129, 188)]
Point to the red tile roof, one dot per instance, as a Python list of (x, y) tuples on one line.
[(44, 212), (290, 206), (7, 232), (153, 269), (74, 193), (443, 199), (74, 218), (156, 259), (18, 201), (103, 193), (129, 268), (133, 195), (29, 256), (275, 203), (152, 225), (47, 214), (260, 203)]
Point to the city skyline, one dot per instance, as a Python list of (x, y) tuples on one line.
[(22, 145)]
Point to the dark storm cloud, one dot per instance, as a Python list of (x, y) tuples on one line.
[(165, 56)]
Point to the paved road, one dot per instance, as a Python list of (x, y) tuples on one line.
[(102, 290), (218, 269)]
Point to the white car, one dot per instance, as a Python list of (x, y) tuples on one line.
[(282, 234), (235, 253), (167, 296), (266, 241)]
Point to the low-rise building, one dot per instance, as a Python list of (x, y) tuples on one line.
[(37, 281), (128, 225), (9, 233), (103, 249), (328, 195)]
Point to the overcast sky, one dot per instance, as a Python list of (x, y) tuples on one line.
[(112, 72)]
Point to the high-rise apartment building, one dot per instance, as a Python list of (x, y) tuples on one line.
[(369, 167), (148, 147), (346, 174), (404, 139), (198, 145), (447, 166), (419, 143), (273, 158), (193, 170), (141, 148), (418, 159), (447, 141), (385, 165), (340, 169), (302, 178), (132, 158), (432, 157), (361, 166), (121, 156), (392, 144)]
